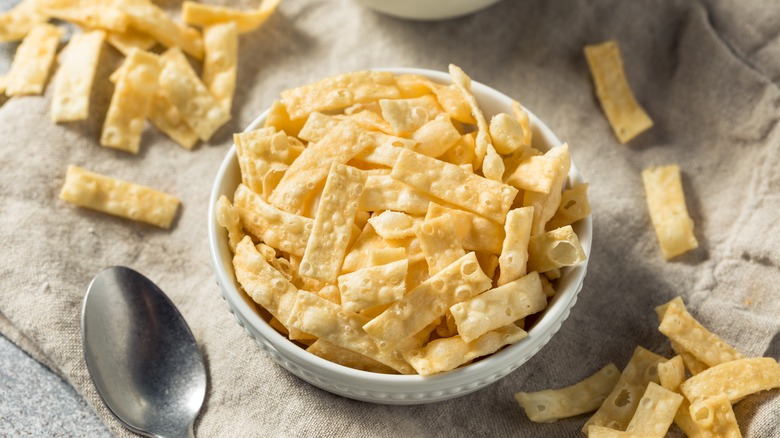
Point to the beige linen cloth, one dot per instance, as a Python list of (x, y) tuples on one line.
[(707, 72)]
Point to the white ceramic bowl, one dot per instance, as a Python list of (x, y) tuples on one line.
[(384, 388), (427, 9)]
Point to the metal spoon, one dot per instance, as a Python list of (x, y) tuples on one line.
[(141, 354)]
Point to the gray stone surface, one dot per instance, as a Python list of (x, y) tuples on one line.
[(34, 402)]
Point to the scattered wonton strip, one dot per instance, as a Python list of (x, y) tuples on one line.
[(73, 82), (626, 117), (130, 103), (33, 60), (120, 198), (91, 14), (198, 14), (16, 23), (582, 397), (150, 19), (666, 203), (220, 42)]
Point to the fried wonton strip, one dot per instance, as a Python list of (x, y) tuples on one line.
[(672, 373), (430, 300), (393, 225), (439, 242), (408, 115), (715, 417), (327, 244), (130, 103), (384, 153), (339, 92), (373, 286), (536, 174), (189, 95), (73, 82), (493, 165), (264, 284), (619, 406), (259, 151), (554, 249), (435, 137), (348, 358), (385, 193), (280, 229), (476, 232), (521, 115), (167, 118), (220, 43), (546, 204), (383, 256), (507, 134), (198, 14), (342, 143), (332, 323), (279, 119), (129, 39), (499, 307), (682, 328), (33, 60), (93, 14), (119, 198), (736, 379), (16, 23), (227, 217), (514, 252), (150, 19), (585, 396), (626, 117), (449, 353), (359, 255), (655, 411), (450, 183), (666, 204), (462, 152), (463, 83), (574, 206)]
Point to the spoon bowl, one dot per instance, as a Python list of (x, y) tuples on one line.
[(141, 354)]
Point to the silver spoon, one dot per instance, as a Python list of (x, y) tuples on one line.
[(141, 354)]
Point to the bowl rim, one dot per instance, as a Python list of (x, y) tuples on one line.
[(538, 335)]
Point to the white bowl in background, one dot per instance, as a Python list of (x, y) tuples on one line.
[(386, 388), (427, 9)]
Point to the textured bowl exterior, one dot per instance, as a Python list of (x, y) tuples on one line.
[(383, 388)]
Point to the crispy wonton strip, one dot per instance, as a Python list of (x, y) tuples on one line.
[(339, 92), (331, 322), (264, 284), (735, 379), (327, 244), (189, 95), (198, 14), (554, 249), (280, 229), (428, 301), (150, 19), (626, 117), (439, 242), (499, 307), (33, 59), (73, 82), (463, 83), (342, 143), (449, 353), (129, 39), (93, 14), (16, 23), (168, 119), (679, 326), (131, 101), (546, 204), (666, 204), (120, 198), (373, 286), (655, 411), (348, 358), (619, 406), (220, 43), (574, 206), (450, 183), (514, 252), (385, 193), (585, 396), (476, 232)]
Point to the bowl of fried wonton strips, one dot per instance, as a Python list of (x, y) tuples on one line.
[(399, 236)]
